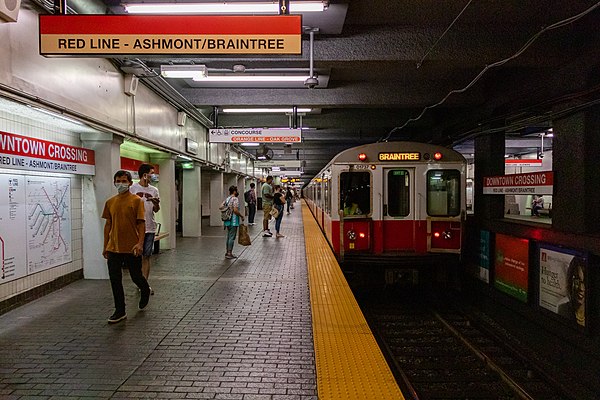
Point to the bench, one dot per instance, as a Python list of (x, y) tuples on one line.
[(158, 237)]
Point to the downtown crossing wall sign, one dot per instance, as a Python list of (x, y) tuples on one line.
[(106, 35)]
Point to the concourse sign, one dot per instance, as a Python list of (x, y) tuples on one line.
[(255, 135), (106, 35)]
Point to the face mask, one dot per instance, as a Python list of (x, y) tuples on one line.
[(122, 187), (153, 178)]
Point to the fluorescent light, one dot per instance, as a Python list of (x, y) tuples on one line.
[(264, 110), (222, 8), (251, 78), (183, 71), (249, 144)]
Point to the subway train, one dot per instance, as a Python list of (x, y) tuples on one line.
[(397, 202)]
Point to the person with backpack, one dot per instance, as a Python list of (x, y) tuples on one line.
[(250, 198), (231, 209)]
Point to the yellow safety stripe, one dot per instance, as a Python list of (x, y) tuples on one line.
[(350, 364)]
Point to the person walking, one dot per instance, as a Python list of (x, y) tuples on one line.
[(278, 203), (250, 198), (149, 194), (124, 233), (232, 223), (267, 203)]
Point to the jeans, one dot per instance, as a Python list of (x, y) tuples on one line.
[(289, 203), (231, 234), (116, 261), (279, 217), (251, 213)]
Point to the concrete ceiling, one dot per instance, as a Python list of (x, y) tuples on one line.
[(388, 60)]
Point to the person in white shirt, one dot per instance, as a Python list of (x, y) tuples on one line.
[(151, 198)]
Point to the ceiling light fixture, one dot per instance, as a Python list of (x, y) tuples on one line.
[(251, 78), (183, 71), (223, 8), (264, 110)]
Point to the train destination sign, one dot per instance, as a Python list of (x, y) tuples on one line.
[(255, 135), (529, 183), (399, 156), (103, 35)]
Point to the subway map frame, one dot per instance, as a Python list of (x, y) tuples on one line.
[(35, 224)]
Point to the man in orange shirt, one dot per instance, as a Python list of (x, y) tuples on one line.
[(124, 233)]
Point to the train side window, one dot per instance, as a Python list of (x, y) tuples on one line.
[(398, 190), (443, 193), (355, 193)]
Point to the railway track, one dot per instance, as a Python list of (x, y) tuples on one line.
[(440, 353)]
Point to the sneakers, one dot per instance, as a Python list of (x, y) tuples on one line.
[(152, 291), (230, 256), (279, 235), (117, 317), (267, 234), (144, 298)]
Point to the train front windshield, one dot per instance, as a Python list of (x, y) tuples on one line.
[(443, 193), (355, 193)]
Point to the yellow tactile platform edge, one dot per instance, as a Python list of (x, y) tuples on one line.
[(350, 364)]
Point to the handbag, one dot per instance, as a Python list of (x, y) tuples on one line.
[(244, 236), (274, 212)]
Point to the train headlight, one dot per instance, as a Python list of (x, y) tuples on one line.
[(351, 235)]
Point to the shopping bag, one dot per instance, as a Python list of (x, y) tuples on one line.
[(244, 237), (274, 212)]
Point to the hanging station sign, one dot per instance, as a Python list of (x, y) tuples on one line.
[(104, 35), (255, 135), (278, 163), (530, 183), (534, 162), (31, 154)]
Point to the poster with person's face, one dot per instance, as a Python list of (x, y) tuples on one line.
[(562, 282)]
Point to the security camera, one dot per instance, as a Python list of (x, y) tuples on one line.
[(311, 82)]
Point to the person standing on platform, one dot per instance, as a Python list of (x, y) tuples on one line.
[(288, 198), (232, 223), (250, 198), (151, 198), (124, 242), (278, 203), (267, 204)]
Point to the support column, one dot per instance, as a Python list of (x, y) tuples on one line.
[(489, 161), (216, 198), (95, 191), (168, 199), (576, 146), (192, 202), (241, 189)]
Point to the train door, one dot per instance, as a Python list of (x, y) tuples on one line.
[(398, 216)]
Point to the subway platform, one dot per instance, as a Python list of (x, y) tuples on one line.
[(215, 329)]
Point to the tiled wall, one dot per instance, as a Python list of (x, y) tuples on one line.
[(11, 122)]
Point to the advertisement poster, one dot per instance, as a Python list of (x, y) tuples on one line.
[(484, 256), (512, 266), (562, 282)]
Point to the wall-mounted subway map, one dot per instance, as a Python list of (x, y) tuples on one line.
[(35, 224)]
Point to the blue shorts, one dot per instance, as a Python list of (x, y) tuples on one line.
[(148, 244)]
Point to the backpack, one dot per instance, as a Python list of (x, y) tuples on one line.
[(247, 196), (226, 210)]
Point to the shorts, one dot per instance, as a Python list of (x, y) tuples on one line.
[(267, 211), (148, 244)]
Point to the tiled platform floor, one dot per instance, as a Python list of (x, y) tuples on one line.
[(216, 329)]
